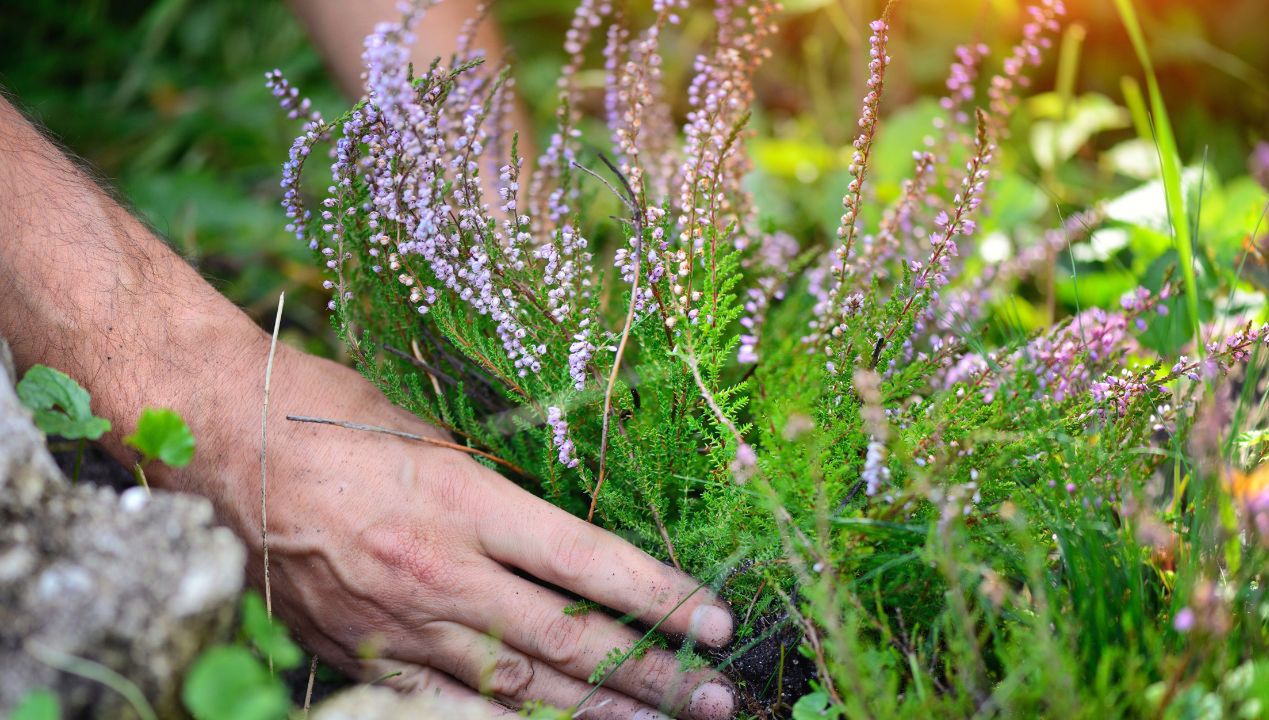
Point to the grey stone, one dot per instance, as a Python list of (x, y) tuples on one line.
[(137, 583), (6, 364), (366, 702)]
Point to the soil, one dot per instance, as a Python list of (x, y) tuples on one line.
[(772, 675), (97, 467)]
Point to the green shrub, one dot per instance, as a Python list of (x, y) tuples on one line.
[(858, 440)]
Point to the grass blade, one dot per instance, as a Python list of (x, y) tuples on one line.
[(1170, 167)]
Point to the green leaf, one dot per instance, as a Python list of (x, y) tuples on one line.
[(38, 705), (162, 435), (1170, 164), (814, 707), (1055, 141), (270, 637), (60, 405), (228, 682)]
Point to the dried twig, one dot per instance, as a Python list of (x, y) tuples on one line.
[(308, 692), (264, 476), (409, 436), (420, 363), (665, 535), (632, 202)]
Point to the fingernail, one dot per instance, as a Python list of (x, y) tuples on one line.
[(646, 714), (712, 701), (711, 625)]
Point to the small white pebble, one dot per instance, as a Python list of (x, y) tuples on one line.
[(133, 499)]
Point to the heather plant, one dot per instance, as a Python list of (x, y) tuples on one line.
[(909, 513)]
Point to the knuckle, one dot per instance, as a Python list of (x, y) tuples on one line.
[(573, 553), (412, 680), (510, 677), (561, 640)]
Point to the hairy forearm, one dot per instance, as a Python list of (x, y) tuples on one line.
[(87, 288)]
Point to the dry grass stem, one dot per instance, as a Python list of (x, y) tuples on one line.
[(264, 449), (308, 691), (409, 436)]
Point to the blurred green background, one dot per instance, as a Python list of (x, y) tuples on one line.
[(167, 100)]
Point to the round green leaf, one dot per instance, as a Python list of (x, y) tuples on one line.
[(162, 435), (269, 636), (228, 683), (38, 705), (60, 405)]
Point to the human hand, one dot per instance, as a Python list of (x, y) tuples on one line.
[(390, 555), (375, 542)]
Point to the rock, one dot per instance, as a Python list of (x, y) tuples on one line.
[(136, 583), (366, 702), (6, 364)]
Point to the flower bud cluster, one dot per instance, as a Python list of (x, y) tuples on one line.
[(962, 79), (1037, 37), (559, 436), (775, 253), (292, 202), (830, 312), (709, 192)]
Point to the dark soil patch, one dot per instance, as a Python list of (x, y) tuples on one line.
[(771, 674), (96, 467)]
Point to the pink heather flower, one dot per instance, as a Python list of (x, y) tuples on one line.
[(745, 463), (961, 85), (1061, 359), (898, 227), (876, 473), (829, 312), (936, 272), (579, 355), (1223, 353), (559, 430), (1258, 163), (553, 195), (423, 140), (1119, 391), (708, 186), (1070, 360), (1183, 622), (775, 253), (964, 307), (289, 98), (878, 61), (295, 106), (1037, 36)]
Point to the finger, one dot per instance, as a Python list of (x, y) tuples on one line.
[(450, 697), (509, 675), (553, 546), (531, 618)]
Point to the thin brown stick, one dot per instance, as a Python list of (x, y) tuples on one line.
[(636, 213), (409, 436), (665, 535), (752, 603), (264, 477), (612, 384), (431, 374), (308, 692)]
